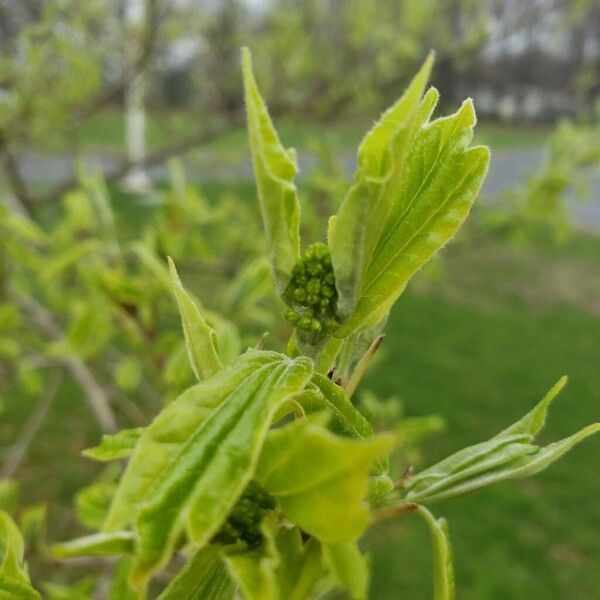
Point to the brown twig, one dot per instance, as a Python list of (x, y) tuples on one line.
[(16, 453)]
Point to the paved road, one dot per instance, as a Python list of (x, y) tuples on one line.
[(507, 169)]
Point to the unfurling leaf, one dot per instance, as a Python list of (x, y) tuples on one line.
[(320, 479), (349, 230), (274, 169), (509, 455), (200, 339), (443, 571), (413, 188), (282, 568), (203, 577), (112, 447)]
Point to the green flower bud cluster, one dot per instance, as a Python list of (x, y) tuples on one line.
[(244, 520), (311, 293)]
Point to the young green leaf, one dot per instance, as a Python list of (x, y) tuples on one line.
[(414, 187), (350, 229), (205, 478), (163, 439), (508, 455), (283, 567), (443, 571), (348, 567), (203, 577), (320, 479), (97, 544), (14, 579), (200, 339), (274, 169), (112, 447)]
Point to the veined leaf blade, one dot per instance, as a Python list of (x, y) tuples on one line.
[(161, 441), (362, 213), (208, 474), (407, 245), (508, 455)]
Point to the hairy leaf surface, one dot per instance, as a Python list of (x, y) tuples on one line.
[(355, 222), (274, 169), (414, 186)]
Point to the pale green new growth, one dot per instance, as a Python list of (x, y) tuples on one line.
[(443, 571), (274, 169), (211, 470), (350, 231), (509, 455), (417, 205), (200, 339), (112, 447), (14, 579), (98, 544), (320, 479), (166, 435)]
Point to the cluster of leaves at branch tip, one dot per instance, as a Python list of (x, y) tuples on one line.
[(311, 293), (244, 521)]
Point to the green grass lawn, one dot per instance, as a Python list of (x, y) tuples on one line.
[(105, 132), (480, 348)]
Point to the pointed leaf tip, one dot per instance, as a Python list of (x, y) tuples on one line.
[(200, 338)]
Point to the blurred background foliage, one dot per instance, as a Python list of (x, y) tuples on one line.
[(89, 334)]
